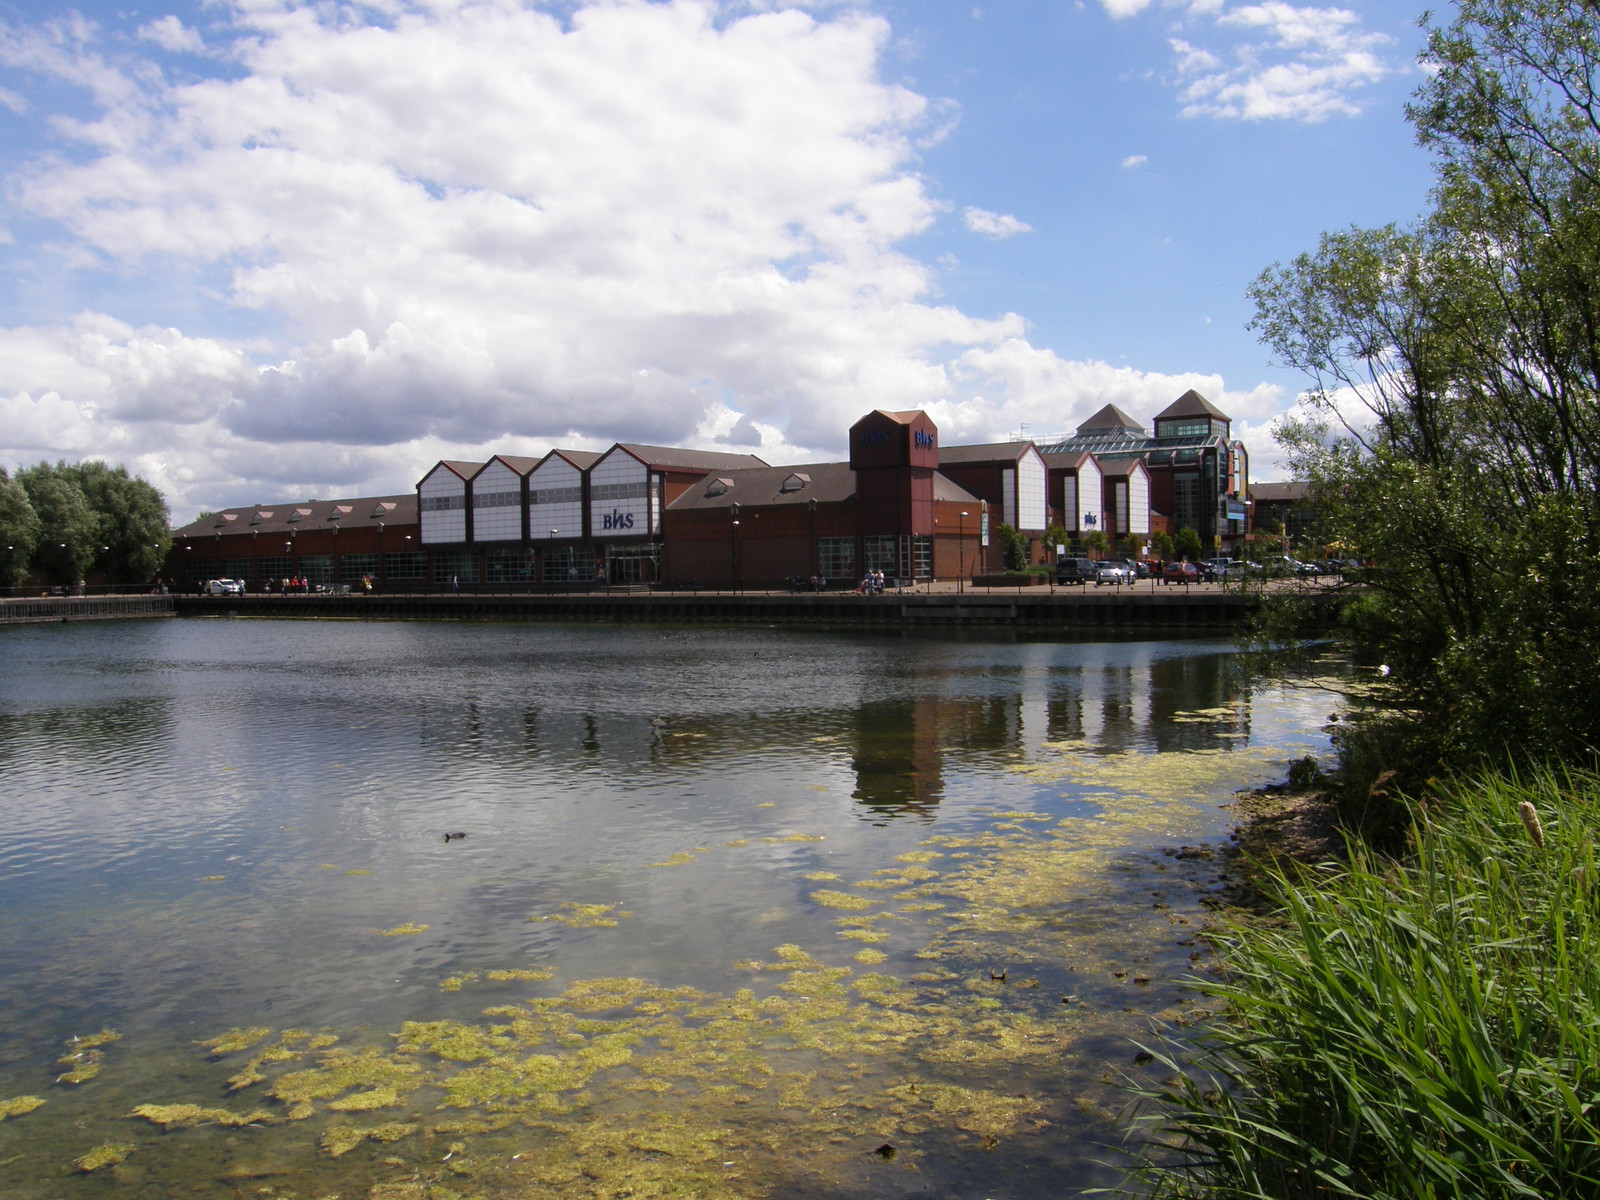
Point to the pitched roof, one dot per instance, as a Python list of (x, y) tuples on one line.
[(826, 483), (676, 457), (1110, 417), (1280, 493), (1192, 404), (991, 452), (310, 514)]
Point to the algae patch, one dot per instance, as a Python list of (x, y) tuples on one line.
[(19, 1106)]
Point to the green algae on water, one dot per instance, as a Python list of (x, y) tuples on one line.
[(182, 1116), (586, 916), (106, 1154), (18, 1106), (403, 930)]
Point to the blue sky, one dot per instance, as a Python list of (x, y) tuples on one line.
[(258, 250)]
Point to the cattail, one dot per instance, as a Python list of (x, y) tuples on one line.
[(1530, 822)]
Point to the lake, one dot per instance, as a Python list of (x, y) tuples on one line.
[(401, 909)]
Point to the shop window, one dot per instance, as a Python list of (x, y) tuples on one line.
[(836, 557)]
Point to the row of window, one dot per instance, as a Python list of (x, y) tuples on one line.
[(496, 499)]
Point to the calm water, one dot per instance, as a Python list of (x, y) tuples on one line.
[(726, 919)]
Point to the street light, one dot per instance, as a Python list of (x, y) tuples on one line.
[(733, 547)]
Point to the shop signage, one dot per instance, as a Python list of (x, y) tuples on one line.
[(617, 520)]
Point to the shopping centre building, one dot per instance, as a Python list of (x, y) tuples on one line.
[(902, 504)]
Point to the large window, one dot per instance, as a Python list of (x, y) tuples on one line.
[(317, 568), (922, 557), (836, 557), (1186, 500), (353, 566), (461, 565), (411, 564), (273, 571), (568, 564), (506, 566), (879, 550)]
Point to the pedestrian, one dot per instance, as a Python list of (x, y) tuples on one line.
[(455, 584)]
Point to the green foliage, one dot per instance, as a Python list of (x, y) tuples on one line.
[(1161, 544), (19, 531), (1187, 545), (1013, 547), (1428, 1029), (1096, 541), (1055, 536), (69, 531), (132, 518), (83, 515), (1453, 433)]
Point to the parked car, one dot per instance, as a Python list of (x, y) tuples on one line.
[(1180, 572), (1076, 570), (226, 587), (1112, 572)]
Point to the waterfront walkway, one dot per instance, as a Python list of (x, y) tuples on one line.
[(1139, 606)]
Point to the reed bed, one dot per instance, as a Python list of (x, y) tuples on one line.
[(1411, 1029)]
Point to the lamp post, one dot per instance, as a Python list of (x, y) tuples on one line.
[(380, 553), (961, 544), (733, 547)]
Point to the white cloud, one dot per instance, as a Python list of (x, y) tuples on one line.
[(995, 225), (473, 227), (1134, 160), (1292, 62), (1119, 9), (171, 34)]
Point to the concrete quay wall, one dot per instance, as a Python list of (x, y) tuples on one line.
[(1170, 609), (55, 609)]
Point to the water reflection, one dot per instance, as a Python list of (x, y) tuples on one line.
[(898, 755), (215, 824)]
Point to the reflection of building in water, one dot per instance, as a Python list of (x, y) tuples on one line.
[(898, 757)]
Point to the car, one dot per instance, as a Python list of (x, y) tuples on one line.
[(1076, 570), (1180, 572), (226, 587), (1111, 572)]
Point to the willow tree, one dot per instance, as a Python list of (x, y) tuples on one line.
[(1453, 433)]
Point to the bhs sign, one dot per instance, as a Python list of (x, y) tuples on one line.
[(617, 520)]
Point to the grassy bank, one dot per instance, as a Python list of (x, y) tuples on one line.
[(1423, 1026)]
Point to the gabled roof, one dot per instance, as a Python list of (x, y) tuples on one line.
[(993, 452), (269, 519), (580, 460), (826, 483), (1192, 404), (456, 466), (679, 459), (1110, 418), (517, 462), (1069, 460)]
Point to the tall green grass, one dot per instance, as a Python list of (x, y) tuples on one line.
[(1412, 1030)]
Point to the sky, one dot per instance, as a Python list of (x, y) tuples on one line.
[(258, 251)]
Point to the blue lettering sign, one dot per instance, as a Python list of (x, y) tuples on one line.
[(617, 520), (1090, 520), (924, 439), (875, 437)]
